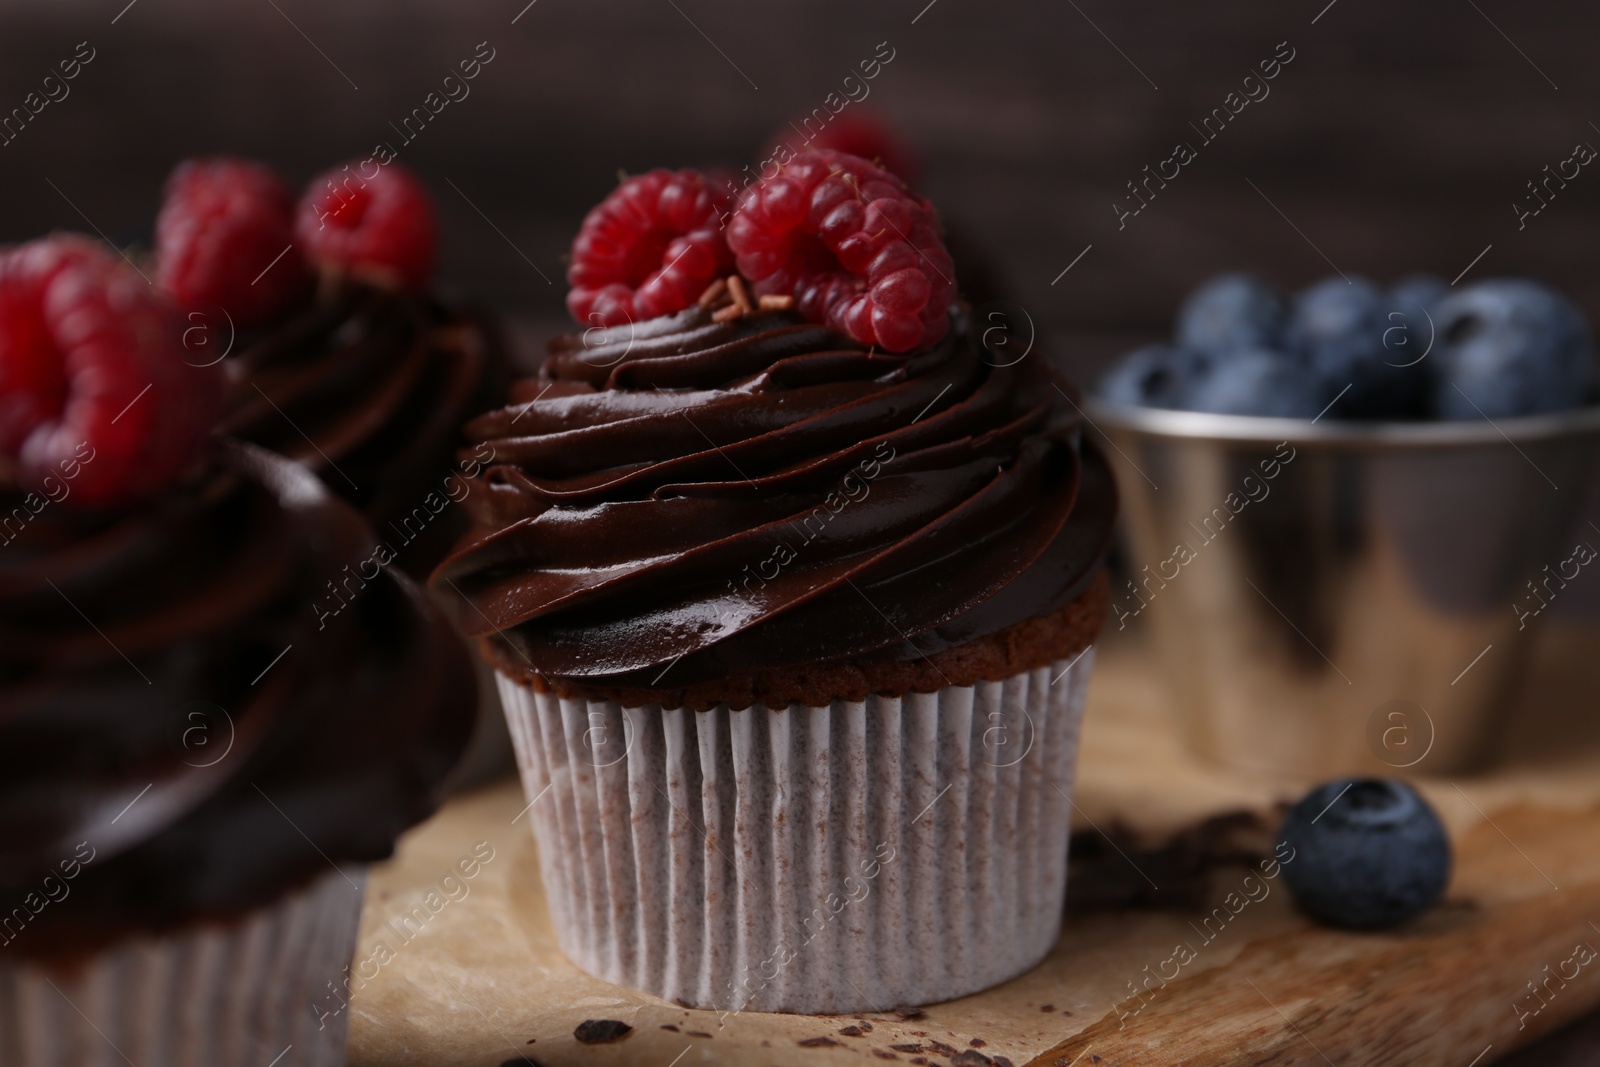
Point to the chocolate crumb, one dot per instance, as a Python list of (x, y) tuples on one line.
[(696, 1033), (851, 1031), (1094, 1059), (1003, 1061), (977, 1042), (909, 1013), (920, 1060), (522, 1061), (600, 1031), (970, 1058), (866, 1027), (908, 1047), (819, 1042), (1047, 1007), (884, 1054), (669, 1026), (941, 1048)]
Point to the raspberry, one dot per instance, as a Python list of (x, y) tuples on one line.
[(224, 239), (648, 249), (379, 227), (852, 244), (95, 394), (860, 133)]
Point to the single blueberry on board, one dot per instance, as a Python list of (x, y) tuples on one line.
[(1155, 376), (1369, 853), (1509, 347), (1343, 330), (1255, 381), (1232, 312)]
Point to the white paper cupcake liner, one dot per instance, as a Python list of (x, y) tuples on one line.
[(865, 855), (247, 994)]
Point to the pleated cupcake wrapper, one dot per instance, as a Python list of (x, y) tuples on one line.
[(865, 855), (252, 993)]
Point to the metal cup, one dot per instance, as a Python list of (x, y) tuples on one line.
[(1331, 598)]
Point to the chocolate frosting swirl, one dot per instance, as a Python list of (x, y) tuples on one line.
[(703, 499), (369, 388), (181, 729)]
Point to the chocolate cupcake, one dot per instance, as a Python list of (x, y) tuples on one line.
[(339, 355), (206, 728), (791, 593)]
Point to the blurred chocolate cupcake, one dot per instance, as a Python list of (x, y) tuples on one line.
[(339, 355), (213, 711)]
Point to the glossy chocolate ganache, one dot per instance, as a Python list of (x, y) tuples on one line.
[(688, 500), (369, 388), (181, 735)]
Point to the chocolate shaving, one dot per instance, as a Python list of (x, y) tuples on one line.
[(851, 1031), (970, 1058), (819, 1042), (600, 1031), (941, 1048), (1109, 870)]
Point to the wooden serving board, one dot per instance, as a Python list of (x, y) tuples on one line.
[(471, 975)]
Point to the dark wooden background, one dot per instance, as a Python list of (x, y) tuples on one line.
[(1396, 140)]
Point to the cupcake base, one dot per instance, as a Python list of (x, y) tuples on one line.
[(849, 856), (250, 993)]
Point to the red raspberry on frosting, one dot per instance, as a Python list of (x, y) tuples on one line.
[(225, 238), (648, 249), (376, 225), (95, 395), (856, 249)]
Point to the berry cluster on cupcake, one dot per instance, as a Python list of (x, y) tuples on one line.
[(337, 353), (194, 764), (772, 547)]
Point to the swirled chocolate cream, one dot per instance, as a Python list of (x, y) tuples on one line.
[(802, 486)]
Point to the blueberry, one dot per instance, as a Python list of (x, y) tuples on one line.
[(1254, 381), (1153, 376), (1368, 853), (1231, 312), (1343, 331), (1510, 347), (1409, 331)]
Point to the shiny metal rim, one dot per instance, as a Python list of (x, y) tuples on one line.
[(1204, 426)]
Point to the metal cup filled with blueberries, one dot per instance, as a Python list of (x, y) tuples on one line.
[(1350, 512)]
